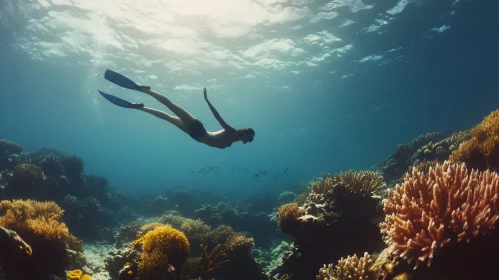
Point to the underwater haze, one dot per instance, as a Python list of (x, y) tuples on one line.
[(326, 85)]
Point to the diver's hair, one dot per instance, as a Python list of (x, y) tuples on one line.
[(246, 130)]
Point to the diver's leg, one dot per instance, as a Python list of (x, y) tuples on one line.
[(185, 116), (162, 115)]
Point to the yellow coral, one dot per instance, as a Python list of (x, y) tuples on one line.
[(163, 246), (482, 150), (75, 274), (40, 218)]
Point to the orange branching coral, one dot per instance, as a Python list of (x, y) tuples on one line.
[(446, 205), (40, 218), (349, 268), (482, 150), (288, 217), (424, 165), (161, 247)]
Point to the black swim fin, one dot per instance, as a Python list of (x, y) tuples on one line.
[(122, 81), (120, 102)]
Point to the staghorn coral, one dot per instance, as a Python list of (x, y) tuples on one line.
[(444, 206), (162, 247), (324, 185), (424, 165), (349, 268), (482, 150), (211, 262)]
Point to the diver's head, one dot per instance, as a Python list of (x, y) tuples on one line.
[(246, 135)]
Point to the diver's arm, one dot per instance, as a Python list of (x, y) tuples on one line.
[(216, 114)]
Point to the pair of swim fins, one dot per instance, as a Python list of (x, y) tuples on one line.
[(122, 81)]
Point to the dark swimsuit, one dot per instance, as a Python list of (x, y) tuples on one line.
[(197, 130)]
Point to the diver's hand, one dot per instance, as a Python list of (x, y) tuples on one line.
[(205, 94)]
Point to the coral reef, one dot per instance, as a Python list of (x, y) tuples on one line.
[(482, 150), (447, 205), (236, 247), (9, 154), (363, 182), (26, 178), (430, 147), (331, 220), (53, 247), (286, 197), (242, 217), (351, 267)]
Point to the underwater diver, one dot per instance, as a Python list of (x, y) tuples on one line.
[(186, 122)]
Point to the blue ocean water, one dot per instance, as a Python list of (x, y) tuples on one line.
[(327, 85)]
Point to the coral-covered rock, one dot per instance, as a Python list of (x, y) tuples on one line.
[(9, 154), (336, 218)]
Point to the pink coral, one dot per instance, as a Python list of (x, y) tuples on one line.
[(446, 205)]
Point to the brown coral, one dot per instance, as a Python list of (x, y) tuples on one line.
[(362, 182), (27, 178), (349, 268), (288, 217), (482, 150), (446, 205)]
